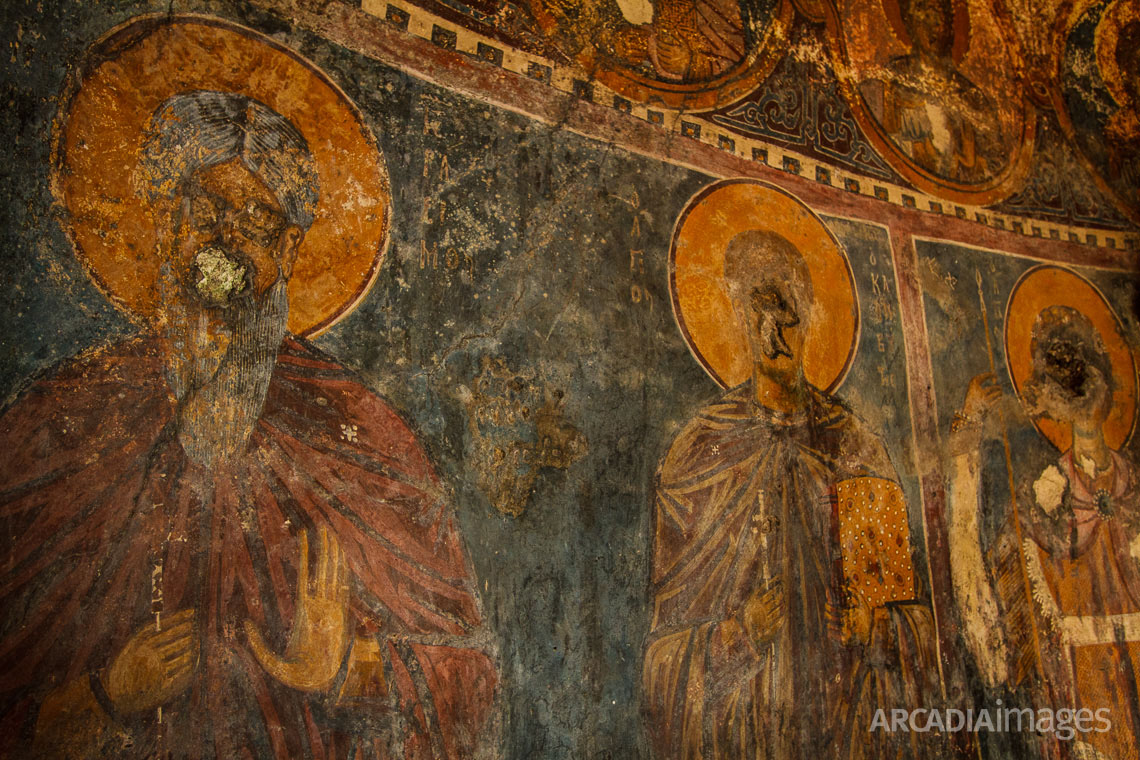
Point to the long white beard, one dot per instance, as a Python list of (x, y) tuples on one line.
[(221, 379)]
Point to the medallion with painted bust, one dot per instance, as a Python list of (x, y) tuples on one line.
[(938, 93), (694, 55)]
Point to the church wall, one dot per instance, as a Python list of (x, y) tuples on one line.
[(526, 317)]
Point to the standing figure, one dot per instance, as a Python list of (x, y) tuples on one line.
[(760, 647), (217, 541), (1066, 601)]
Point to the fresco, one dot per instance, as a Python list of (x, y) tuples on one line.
[(264, 535), (681, 53), (1098, 100), (801, 103), (785, 604), (552, 380), (1040, 478), (931, 95)]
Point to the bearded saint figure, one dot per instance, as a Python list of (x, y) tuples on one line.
[(1079, 525), (755, 649), (199, 560)]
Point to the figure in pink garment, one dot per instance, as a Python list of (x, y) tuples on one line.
[(1081, 550)]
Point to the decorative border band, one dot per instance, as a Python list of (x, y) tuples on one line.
[(416, 21)]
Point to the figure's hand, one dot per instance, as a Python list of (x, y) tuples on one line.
[(968, 427), (851, 624), (763, 613), (981, 397), (154, 666), (319, 637)]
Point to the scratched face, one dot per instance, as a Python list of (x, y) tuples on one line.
[(225, 303), (233, 240), (1069, 384), (773, 305)]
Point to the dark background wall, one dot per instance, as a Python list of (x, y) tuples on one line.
[(515, 255)]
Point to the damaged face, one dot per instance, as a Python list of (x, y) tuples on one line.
[(930, 25), (1072, 376), (218, 277), (775, 312), (233, 240), (770, 288)]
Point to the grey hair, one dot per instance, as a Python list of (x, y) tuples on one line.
[(203, 128)]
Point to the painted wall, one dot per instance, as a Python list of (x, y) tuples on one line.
[(505, 562)]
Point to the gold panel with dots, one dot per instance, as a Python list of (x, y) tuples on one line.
[(874, 540)]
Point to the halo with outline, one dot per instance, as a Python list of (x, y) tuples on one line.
[(129, 73), (1106, 39), (700, 300), (855, 64), (698, 96), (1049, 285)]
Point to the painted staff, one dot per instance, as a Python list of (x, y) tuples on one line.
[(156, 608), (1014, 514)]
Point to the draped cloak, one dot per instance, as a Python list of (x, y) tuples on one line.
[(1090, 562), (103, 514), (743, 501)]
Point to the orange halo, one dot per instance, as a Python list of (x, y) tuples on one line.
[(1045, 286), (129, 73), (700, 301)]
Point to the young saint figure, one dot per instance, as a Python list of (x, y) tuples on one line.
[(756, 650), (1077, 570)]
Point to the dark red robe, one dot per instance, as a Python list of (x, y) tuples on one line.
[(96, 493)]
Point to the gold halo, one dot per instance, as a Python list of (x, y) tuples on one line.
[(631, 82), (1045, 286), (129, 73), (1107, 37), (700, 300)]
